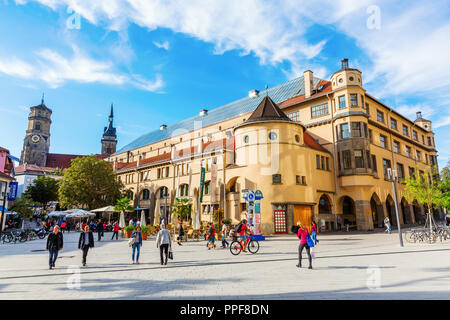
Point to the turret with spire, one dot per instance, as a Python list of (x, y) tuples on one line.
[(109, 140)]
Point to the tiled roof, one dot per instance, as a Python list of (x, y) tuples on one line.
[(278, 94), (63, 161), (179, 154), (32, 168), (310, 142), (267, 110), (292, 101), (5, 176), (4, 150)]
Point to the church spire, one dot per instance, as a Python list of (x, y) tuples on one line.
[(42, 100), (111, 114)]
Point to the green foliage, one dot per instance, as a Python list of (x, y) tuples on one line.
[(181, 209), (423, 189), (227, 221), (129, 228), (145, 229), (43, 190), (24, 207), (445, 186), (123, 205), (217, 218), (89, 182)]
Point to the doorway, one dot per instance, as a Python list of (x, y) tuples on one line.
[(303, 214)]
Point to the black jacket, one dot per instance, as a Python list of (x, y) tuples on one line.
[(81, 242), (99, 227), (180, 231), (55, 241)]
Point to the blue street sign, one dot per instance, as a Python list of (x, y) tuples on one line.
[(12, 195), (258, 195)]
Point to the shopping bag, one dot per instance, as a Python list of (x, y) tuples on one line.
[(170, 255), (131, 241), (309, 241), (313, 253)]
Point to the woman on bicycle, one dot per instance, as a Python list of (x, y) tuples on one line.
[(242, 233), (303, 234)]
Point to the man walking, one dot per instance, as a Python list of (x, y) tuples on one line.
[(387, 223), (115, 231), (54, 244), (224, 235), (163, 242), (100, 229), (86, 241)]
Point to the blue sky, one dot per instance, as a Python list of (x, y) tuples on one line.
[(162, 61)]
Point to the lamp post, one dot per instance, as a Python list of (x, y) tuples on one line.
[(392, 174)]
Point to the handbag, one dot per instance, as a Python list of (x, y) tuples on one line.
[(170, 256), (312, 253), (309, 241), (131, 241)]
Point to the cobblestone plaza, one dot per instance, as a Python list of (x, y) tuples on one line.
[(347, 266)]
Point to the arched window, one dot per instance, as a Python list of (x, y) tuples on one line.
[(207, 187), (130, 194), (163, 192), (145, 194), (324, 204), (184, 190)]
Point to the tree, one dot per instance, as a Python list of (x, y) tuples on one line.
[(123, 205), (181, 209), (24, 207), (425, 189), (445, 186), (89, 182), (43, 190)]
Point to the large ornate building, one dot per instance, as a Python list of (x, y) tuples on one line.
[(317, 149)]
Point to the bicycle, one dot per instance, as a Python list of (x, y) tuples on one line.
[(237, 247)]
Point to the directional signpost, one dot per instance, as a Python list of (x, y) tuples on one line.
[(253, 198)]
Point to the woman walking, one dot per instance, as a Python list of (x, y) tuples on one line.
[(163, 242), (303, 234), (314, 232), (387, 223), (54, 244), (85, 242), (137, 234), (180, 233)]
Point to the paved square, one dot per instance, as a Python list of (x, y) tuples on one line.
[(348, 266)]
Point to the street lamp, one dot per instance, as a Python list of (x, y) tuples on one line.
[(392, 175)]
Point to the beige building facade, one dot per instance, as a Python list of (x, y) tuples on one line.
[(318, 150)]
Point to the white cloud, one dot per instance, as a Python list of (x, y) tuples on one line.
[(56, 69), (162, 45)]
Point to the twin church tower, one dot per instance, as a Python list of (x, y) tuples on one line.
[(36, 144)]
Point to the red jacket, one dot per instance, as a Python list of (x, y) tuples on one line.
[(116, 227), (302, 234)]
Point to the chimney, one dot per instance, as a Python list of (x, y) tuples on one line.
[(253, 93), (163, 127), (419, 114), (308, 80), (344, 63), (203, 112)]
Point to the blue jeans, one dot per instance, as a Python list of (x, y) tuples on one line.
[(313, 236), (224, 241), (53, 255), (138, 246)]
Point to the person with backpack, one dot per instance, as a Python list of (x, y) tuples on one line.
[(303, 234)]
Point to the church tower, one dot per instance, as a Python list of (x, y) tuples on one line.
[(109, 141), (37, 137)]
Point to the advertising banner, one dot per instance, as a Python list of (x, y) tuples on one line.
[(202, 183)]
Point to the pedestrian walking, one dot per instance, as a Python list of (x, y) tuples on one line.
[(224, 235), (54, 244), (303, 235), (63, 226), (115, 231), (387, 223), (314, 232), (447, 219), (137, 235), (180, 233), (85, 242), (211, 236), (164, 243), (100, 230), (339, 223)]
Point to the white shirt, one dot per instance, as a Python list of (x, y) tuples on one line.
[(224, 229), (163, 237)]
